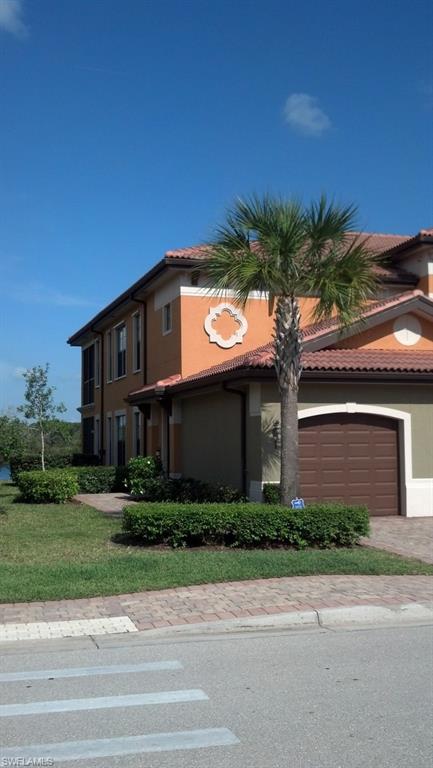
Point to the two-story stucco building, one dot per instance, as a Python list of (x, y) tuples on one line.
[(168, 368)]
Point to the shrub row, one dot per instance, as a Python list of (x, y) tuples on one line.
[(245, 525), (55, 486), (23, 462), (146, 481), (100, 479), (52, 486)]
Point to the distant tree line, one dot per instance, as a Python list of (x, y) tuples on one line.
[(21, 436)]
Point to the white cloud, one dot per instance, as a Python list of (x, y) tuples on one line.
[(10, 18), (304, 115)]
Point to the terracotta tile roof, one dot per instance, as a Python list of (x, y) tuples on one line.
[(315, 330), (376, 241), (424, 235), (350, 360)]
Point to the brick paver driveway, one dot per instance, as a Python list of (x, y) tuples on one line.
[(407, 536)]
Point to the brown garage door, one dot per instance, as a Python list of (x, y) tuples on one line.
[(352, 458)]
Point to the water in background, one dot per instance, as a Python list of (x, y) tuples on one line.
[(5, 472)]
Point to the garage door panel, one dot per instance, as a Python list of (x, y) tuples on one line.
[(351, 458)]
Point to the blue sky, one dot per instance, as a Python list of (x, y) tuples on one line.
[(128, 126)]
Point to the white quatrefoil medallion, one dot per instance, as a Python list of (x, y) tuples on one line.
[(238, 317)]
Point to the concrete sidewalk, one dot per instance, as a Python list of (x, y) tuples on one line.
[(212, 603)]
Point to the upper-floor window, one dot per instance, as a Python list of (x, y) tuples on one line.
[(120, 355), (167, 320), (97, 363), (136, 341), (109, 355), (88, 375)]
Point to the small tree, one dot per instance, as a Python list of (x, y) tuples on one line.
[(40, 406)]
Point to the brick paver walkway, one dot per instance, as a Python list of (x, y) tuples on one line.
[(210, 602), (407, 536)]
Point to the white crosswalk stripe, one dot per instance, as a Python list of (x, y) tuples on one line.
[(128, 745), (64, 751)]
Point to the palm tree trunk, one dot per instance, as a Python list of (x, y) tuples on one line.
[(289, 472), (288, 350)]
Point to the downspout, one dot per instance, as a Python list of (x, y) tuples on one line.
[(101, 389), (243, 397)]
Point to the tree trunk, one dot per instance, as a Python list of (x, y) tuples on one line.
[(289, 473), (42, 449), (288, 350)]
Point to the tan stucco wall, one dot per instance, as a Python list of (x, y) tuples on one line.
[(416, 399), (211, 438)]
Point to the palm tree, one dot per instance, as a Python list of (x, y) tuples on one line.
[(287, 250)]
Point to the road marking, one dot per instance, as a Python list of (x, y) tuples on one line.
[(116, 669), (102, 702), (128, 745), (38, 630)]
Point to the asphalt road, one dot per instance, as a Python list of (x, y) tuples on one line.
[(299, 699)]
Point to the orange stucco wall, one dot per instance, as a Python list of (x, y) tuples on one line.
[(199, 353), (382, 337)]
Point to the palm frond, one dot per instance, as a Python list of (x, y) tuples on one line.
[(344, 280)]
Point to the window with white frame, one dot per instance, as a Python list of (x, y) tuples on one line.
[(167, 319), (136, 341), (120, 355), (109, 353), (137, 432), (120, 439)]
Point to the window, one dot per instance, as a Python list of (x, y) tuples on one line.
[(137, 432), (97, 437), (87, 433), (166, 318), (120, 440), (109, 345), (109, 439), (136, 336), (97, 363), (120, 351), (88, 374)]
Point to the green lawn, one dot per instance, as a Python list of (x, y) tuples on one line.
[(49, 552)]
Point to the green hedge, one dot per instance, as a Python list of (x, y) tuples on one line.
[(100, 479), (26, 462), (271, 493), (52, 486), (245, 525)]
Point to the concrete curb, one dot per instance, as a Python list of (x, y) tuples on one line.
[(353, 616)]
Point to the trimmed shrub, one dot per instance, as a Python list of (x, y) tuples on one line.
[(100, 479), (24, 462), (96, 479), (145, 478), (246, 525), (271, 493), (52, 486)]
